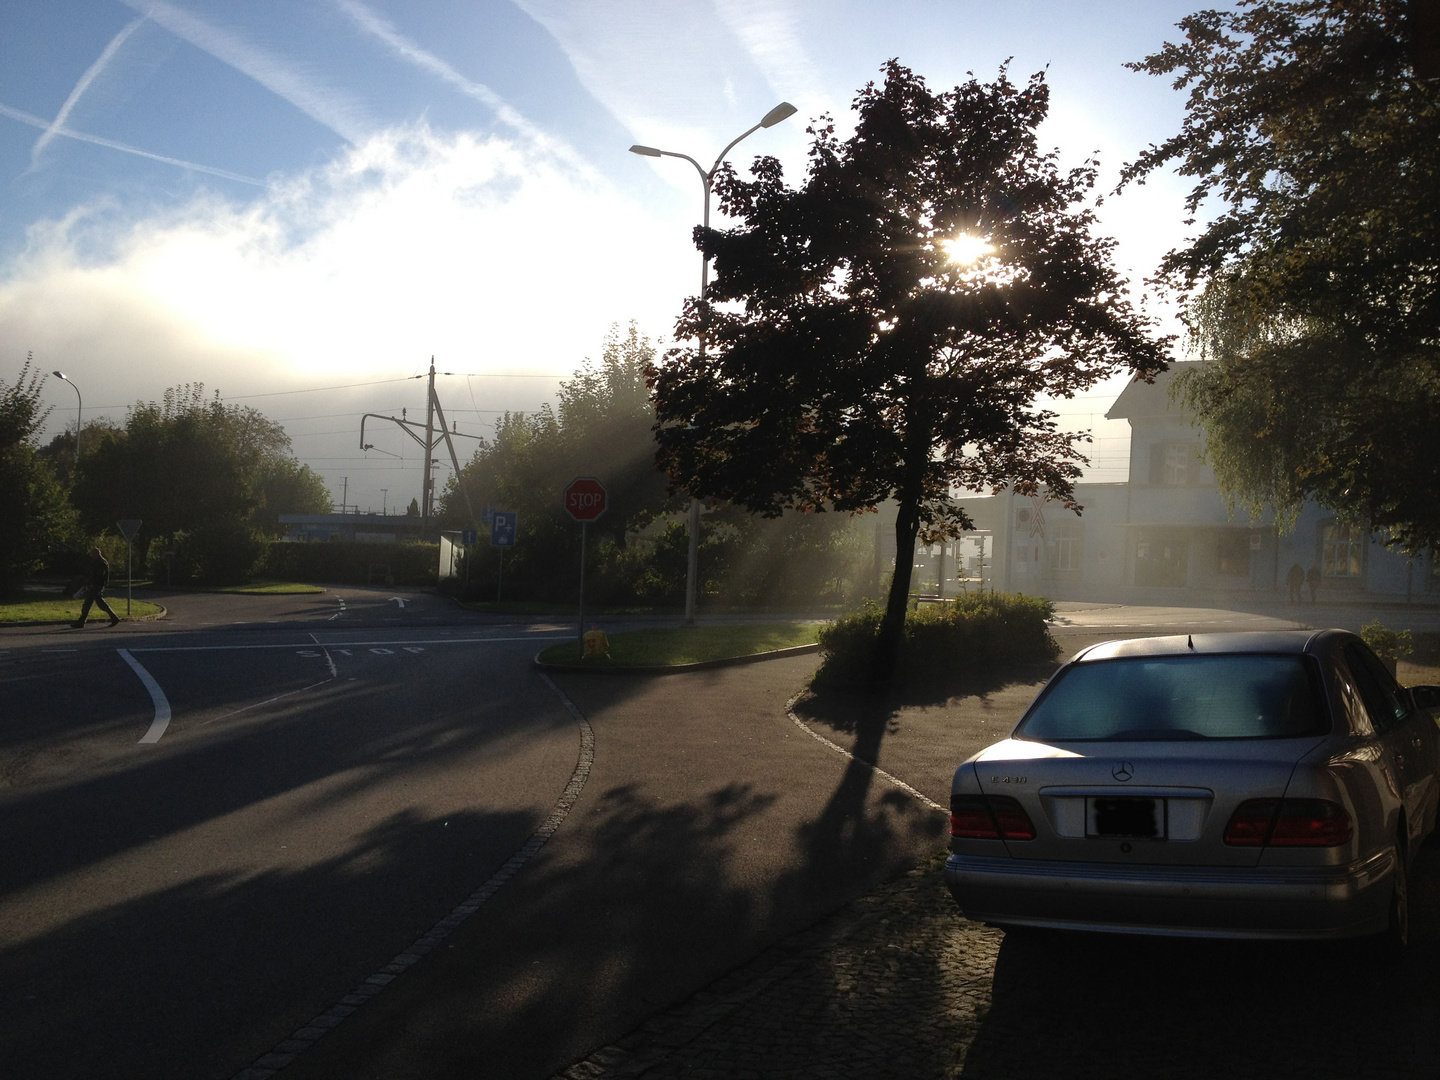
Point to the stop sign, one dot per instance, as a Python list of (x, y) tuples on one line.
[(585, 498)]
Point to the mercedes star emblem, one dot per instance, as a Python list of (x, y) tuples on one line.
[(1123, 770)]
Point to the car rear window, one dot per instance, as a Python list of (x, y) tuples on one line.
[(1178, 697)]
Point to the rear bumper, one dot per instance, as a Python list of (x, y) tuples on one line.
[(1323, 902)]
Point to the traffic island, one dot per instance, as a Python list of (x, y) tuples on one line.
[(669, 650)]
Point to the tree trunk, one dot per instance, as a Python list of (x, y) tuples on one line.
[(892, 627)]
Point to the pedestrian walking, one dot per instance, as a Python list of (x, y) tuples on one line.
[(95, 582), (1312, 578), (1296, 580)]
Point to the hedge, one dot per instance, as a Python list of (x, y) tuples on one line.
[(974, 632)]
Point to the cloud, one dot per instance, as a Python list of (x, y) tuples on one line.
[(320, 103), (57, 125), (476, 250)]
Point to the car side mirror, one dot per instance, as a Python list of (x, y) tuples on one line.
[(1426, 697)]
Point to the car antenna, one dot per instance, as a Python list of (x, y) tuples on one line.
[(1190, 642)]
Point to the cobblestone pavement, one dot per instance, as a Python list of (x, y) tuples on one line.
[(898, 984)]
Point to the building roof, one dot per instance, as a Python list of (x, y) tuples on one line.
[(1140, 398)]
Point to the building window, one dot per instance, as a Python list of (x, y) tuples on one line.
[(1064, 546), (1177, 462), (1344, 550)]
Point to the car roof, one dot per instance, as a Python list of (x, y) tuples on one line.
[(1270, 642)]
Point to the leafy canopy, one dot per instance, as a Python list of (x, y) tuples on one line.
[(1314, 285), (842, 357), (36, 520)]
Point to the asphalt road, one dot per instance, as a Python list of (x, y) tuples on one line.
[(325, 790), (217, 828)]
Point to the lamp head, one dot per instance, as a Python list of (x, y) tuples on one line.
[(783, 111), (645, 151), (59, 375)]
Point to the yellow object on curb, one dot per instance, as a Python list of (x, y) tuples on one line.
[(596, 643)]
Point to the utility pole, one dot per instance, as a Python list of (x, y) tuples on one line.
[(429, 485), (344, 492)]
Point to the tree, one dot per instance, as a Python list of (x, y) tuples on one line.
[(883, 330), (1314, 289), (220, 474), (36, 520), (605, 417)]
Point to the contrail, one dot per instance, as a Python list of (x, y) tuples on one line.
[(70, 133), (80, 87), (321, 105), (381, 28)]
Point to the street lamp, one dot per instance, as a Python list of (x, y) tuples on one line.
[(79, 408), (780, 112)]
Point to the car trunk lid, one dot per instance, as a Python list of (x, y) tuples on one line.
[(1152, 802)]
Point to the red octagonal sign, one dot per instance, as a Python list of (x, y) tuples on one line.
[(585, 498)]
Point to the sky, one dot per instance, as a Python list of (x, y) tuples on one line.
[(298, 203)]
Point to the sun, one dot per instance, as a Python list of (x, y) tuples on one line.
[(965, 249)]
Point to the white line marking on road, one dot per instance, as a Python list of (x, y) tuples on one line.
[(340, 646), (330, 660), (269, 701), (269, 1064), (397, 600), (162, 705), (790, 712)]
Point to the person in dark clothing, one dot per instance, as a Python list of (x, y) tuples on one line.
[(99, 577), (1312, 578), (1296, 580)]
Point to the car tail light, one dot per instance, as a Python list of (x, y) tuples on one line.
[(1311, 823), (1289, 823), (1250, 823), (995, 817)]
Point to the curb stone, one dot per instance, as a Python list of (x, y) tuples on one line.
[(678, 669)]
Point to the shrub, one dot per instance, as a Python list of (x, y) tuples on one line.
[(1391, 644), (345, 563), (975, 632)]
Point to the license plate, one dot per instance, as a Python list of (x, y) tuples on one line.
[(1125, 816)]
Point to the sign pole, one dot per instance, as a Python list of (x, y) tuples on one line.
[(500, 578), (129, 580), (584, 527)]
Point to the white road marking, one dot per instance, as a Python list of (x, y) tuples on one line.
[(397, 600), (268, 701), (162, 705), (329, 660)]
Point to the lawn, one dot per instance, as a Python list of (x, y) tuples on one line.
[(1421, 667), (63, 609), (669, 647)]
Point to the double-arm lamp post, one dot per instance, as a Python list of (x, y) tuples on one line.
[(780, 112), (79, 407)]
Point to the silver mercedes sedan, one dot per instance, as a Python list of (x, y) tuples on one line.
[(1267, 785)]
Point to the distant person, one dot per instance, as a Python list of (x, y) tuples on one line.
[(95, 582), (1312, 578), (1296, 580)]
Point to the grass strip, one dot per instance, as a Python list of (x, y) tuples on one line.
[(67, 610), (673, 646)]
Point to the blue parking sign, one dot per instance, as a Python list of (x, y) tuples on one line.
[(502, 528)]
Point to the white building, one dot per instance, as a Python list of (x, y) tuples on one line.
[(1167, 533)]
